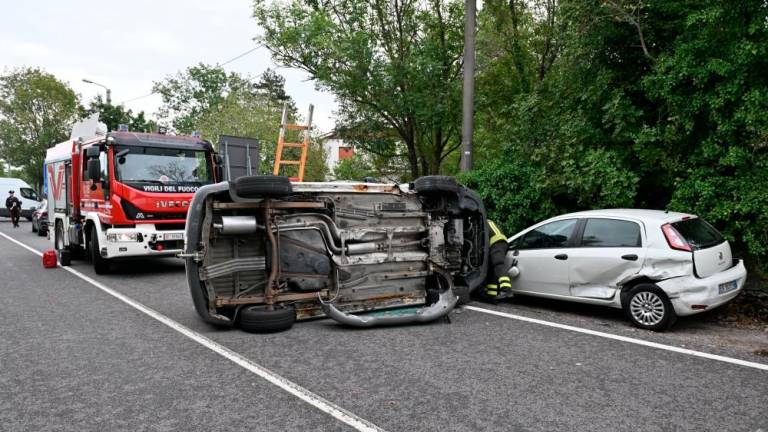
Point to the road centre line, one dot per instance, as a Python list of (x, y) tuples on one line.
[(642, 342), (296, 390)]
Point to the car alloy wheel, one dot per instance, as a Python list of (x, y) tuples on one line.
[(647, 308)]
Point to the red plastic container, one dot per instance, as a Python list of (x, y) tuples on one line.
[(49, 259)]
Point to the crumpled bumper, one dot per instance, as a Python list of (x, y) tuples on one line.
[(685, 292)]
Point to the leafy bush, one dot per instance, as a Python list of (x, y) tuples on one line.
[(680, 122), (513, 192), (518, 191), (733, 196)]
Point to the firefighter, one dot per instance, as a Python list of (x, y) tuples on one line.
[(14, 208), (497, 283)]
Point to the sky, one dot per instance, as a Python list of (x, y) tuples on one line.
[(127, 45)]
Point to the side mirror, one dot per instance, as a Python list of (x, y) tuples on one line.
[(94, 170)]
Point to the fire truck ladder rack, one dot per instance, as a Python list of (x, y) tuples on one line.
[(304, 145)]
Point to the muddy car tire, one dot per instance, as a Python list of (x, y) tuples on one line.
[(257, 186), (435, 184), (257, 319), (648, 307)]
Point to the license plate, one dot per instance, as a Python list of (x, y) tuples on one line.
[(727, 287), (174, 236)]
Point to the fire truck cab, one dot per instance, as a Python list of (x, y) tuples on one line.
[(124, 194)]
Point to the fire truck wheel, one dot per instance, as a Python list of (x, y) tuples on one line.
[(257, 186), (257, 319), (100, 265), (435, 184), (65, 258), (64, 253)]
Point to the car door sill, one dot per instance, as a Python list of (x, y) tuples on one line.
[(604, 302)]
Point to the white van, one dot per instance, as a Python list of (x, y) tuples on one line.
[(24, 192)]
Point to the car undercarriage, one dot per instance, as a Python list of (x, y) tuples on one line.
[(262, 252)]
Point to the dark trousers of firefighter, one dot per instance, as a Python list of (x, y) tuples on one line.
[(497, 280)]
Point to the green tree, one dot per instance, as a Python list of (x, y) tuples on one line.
[(114, 115), (355, 168), (271, 87), (316, 168), (188, 95), (252, 109), (713, 86), (36, 111), (651, 104), (395, 65)]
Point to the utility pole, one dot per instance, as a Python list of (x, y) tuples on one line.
[(109, 92), (468, 115)]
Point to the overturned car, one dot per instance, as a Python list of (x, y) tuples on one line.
[(262, 252)]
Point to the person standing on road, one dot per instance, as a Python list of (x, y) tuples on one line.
[(497, 284), (14, 208)]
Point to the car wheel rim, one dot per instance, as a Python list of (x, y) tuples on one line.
[(647, 308)]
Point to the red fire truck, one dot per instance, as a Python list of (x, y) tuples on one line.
[(124, 194)]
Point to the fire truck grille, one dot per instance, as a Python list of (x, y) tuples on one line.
[(133, 213)]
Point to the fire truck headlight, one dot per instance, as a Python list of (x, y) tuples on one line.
[(122, 237)]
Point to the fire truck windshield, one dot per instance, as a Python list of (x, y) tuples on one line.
[(134, 164)]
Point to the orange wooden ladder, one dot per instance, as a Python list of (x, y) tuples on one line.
[(304, 145)]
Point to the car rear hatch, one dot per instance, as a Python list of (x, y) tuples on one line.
[(711, 252)]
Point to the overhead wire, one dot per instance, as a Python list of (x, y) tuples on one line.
[(237, 57), (240, 55)]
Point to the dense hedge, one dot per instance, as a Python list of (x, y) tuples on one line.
[(682, 127)]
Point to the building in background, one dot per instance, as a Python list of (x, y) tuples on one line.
[(336, 149)]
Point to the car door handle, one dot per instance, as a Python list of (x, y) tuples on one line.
[(630, 257), (561, 257), (516, 253)]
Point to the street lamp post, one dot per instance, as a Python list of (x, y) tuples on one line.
[(469, 86), (109, 92)]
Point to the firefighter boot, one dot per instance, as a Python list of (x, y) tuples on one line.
[(505, 288), (491, 291)]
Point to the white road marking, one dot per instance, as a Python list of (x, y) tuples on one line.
[(300, 392), (622, 338)]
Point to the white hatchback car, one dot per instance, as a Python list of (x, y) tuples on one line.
[(656, 265)]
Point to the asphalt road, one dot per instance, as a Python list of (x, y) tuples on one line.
[(73, 357)]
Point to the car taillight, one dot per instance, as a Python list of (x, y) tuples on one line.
[(674, 238)]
